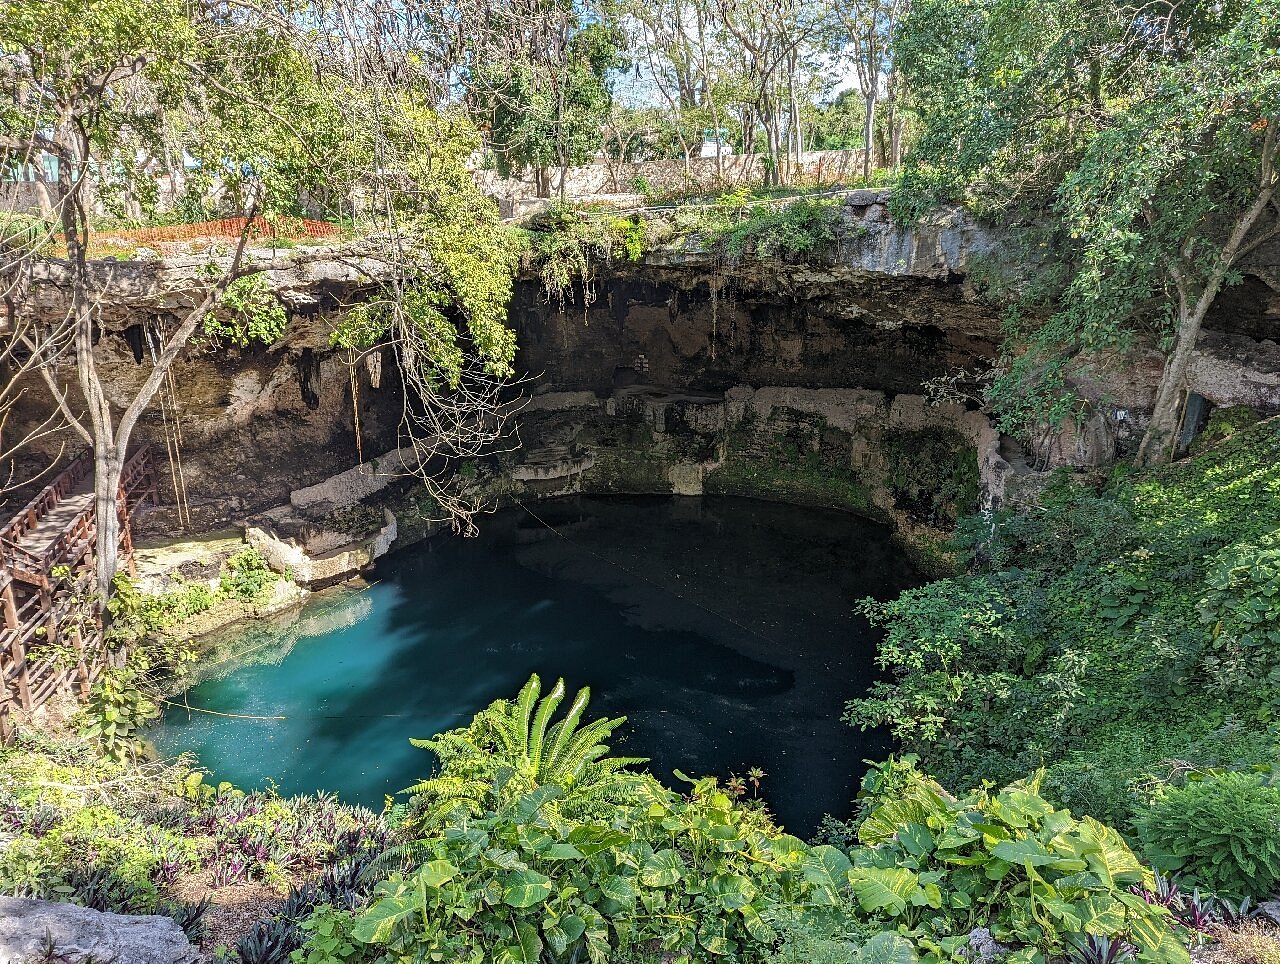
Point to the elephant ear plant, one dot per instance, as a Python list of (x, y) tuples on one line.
[(525, 869), (937, 867)]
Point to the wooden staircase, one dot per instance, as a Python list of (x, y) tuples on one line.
[(47, 571)]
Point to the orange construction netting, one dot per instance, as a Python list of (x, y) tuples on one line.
[(229, 228)]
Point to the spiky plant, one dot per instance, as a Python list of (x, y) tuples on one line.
[(512, 747)]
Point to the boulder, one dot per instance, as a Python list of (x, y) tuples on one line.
[(28, 927)]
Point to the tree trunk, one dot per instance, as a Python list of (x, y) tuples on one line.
[(1160, 438), (108, 464), (868, 135)]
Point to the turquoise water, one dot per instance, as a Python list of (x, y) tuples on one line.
[(722, 628)]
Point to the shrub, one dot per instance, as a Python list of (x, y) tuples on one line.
[(697, 876), (1221, 833), (522, 869), (249, 311), (1119, 623), (937, 867)]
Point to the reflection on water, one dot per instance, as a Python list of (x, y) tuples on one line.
[(722, 628)]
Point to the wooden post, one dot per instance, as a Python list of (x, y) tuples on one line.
[(10, 606), (18, 654), (82, 668)]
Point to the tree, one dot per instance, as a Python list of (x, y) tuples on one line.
[(275, 111), (546, 106), (86, 86), (867, 28), (1143, 134)]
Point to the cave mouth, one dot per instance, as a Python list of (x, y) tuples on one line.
[(723, 628)]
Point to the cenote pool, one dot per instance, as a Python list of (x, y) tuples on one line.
[(722, 628)]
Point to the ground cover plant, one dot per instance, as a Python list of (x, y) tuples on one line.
[(1125, 633), (121, 836)]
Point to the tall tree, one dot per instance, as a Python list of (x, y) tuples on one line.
[(1144, 133), (86, 85), (867, 28)]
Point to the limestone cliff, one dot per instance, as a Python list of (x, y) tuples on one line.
[(679, 373)]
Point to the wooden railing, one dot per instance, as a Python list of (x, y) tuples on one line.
[(17, 557), (40, 590)]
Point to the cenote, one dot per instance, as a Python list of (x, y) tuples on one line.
[(722, 628)]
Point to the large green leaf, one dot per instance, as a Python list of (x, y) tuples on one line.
[(883, 889), (887, 948), (712, 936), (1027, 852), (527, 948), (826, 869), (663, 869), (617, 888), (524, 888), (1156, 942), (436, 873), (1108, 855), (377, 925), (733, 891)]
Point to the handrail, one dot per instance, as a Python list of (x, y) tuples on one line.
[(44, 599), (47, 498)]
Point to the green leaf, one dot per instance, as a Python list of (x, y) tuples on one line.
[(1108, 855), (662, 869), (887, 948), (734, 892), (825, 869), (524, 888), (377, 925), (1027, 852), (1156, 942), (436, 873), (712, 936), (617, 888), (526, 951), (883, 889), (916, 839)]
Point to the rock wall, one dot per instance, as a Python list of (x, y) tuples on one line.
[(680, 373)]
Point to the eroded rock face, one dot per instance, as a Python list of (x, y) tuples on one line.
[(28, 927), (673, 337)]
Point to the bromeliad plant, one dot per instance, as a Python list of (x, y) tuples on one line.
[(512, 747), (936, 867)]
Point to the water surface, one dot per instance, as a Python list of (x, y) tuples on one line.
[(722, 628)]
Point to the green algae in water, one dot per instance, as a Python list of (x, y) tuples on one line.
[(723, 629)]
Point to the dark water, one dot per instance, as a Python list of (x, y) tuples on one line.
[(722, 628)]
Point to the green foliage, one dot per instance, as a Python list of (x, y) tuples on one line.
[(329, 939), (568, 242), (115, 712), (460, 259), (249, 311), (933, 474), (1223, 423), (528, 870), (244, 577), (523, 883), (1220, 832), (1138, 153), (936, 867), (116, 835), (1104, 632), (545, 110), (513, 747), (804, 227)]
